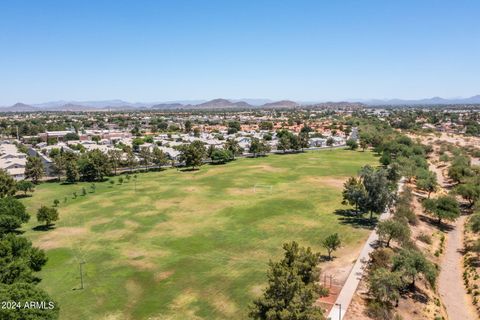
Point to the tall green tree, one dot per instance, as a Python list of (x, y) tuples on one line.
[(7, 184), (385, 286), (34, 169), (193, 154), (233, 146), (145, 157), (413, 264), (115, 159), (159, 158), (292, 289), (377, 186), (12, 214), (469, 191), (427, 181), (94, 166), (392, 229), (443, 208), (354, 193)]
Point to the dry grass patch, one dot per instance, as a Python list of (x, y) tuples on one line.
[(61, 237), (334, 182), (159, 276), (267, 168), (224, 305)]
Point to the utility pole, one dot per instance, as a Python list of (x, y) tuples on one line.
[(81, 274)]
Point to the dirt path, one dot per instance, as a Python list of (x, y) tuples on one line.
[(450, 282)]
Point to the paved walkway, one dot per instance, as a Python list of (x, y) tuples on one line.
[(450, 282), (348, 290)]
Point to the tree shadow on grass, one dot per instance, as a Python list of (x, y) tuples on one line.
[(356, 220), (21, 196), (189, 169), (44, 227)]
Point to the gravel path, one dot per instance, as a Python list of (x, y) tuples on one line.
[(450, 282)]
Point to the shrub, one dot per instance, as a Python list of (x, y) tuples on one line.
[(378, 311), (425, 238)]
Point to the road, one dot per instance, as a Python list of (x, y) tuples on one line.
[(348, 290), (450, 282)]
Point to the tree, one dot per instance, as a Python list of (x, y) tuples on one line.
[(408, 167), (18, 260), (468, 191), (71, 171), (58, 166), (284, 143), (25, 186), (460, 168), (34, 169), (331, 243), (7, 184), (330, 141), (94, 165), (12, 214), (303, 139), (291, 291), (233, 146), (385, 285), (427, 181), (266, 125), (115, 158), (188, 126), (159, 158), (363, 144), (376, 184), (24, 293), (354, 193), (258, 147), (71, 136), (193, 154), (233, 127), (392, 229), (145, 156), (443, 208), (221, 156), (352, 144), (47, 215), (474, 222), (413, 264), (131, 160)]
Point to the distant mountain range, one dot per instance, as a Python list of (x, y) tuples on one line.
[(215, 104), (428, 101), (172, 105)]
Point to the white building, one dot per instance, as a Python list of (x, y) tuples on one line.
[(12, 161)]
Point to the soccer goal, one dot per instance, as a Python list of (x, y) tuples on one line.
[(263, 188)]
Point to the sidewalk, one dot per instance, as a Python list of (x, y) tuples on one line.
[(348, 290)]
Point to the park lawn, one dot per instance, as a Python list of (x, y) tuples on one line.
[(189, 245)]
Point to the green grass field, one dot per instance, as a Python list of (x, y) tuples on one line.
[(188, 245)]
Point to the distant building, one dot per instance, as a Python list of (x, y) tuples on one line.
[(57, 135), (12, 161)]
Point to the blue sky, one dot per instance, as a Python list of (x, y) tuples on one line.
[(301, 50)]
